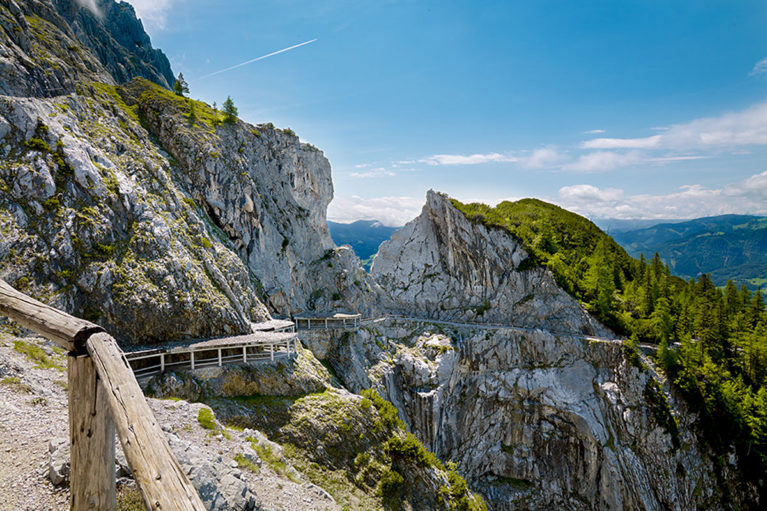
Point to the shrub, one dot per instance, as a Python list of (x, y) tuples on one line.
[(390, 484), (52, 204), (37, 144), (411, 450), (386, 410), (631, 352), (206, 419)]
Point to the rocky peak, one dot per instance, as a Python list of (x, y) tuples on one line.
[(114, 34), (443, 266), (48, 47)]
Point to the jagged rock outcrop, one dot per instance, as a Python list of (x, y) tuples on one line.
[(536, 420), (49, 48), (443, 266), (111, 31), (268, 193)]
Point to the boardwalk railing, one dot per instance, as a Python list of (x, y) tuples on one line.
[(103, 396), (214, 352), (337, 321)]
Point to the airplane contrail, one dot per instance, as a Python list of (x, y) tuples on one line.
[(256, 59)]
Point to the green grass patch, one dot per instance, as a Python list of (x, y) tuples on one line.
[(206, 419), (276, 463), (15, 383), (386, 410), (244, 462), (36, 354)]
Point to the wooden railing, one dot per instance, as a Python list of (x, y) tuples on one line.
[(103, 396), (229, 350)]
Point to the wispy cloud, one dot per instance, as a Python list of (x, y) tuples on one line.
[(759, 68), (262, 57), (622, 143), (589, 193), (466, 159), (730, 130), (748, 196), (593, 132), (153, 13), (542, 158), (91, 6), (377, 172), (603, 161), (392, 211)]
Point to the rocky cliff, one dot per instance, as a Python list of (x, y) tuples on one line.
[(443, 266), (536, 420), (143, 210)]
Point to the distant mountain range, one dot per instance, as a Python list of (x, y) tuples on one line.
[(364, 236), (726, 247)]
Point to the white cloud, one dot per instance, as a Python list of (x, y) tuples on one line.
[(377, 172), (91, 6), (540, 158), (730, 130), (603, 161), (589, 193), (392, 211), (622, 143), (153, 13), (748, 196), (470, 159), (593, 132), (759, 68)]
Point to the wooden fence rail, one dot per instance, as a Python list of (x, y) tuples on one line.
[(103, 396)]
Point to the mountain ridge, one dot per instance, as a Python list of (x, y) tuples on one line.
[(725, 246)]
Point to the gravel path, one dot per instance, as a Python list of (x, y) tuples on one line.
[(33, 411)]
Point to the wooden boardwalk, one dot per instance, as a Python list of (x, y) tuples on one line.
[(192, 355), (331, 322)]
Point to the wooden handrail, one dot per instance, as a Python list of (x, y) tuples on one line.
[(100, 377), (67, 331)]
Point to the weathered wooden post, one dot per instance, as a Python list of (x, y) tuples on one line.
[(91, 439)]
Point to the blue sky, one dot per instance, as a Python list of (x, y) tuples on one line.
[(623, 109)]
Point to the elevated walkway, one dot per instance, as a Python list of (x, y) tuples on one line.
[(192, 355), (329, 322)]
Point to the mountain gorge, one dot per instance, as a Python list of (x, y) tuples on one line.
[(482, 355)]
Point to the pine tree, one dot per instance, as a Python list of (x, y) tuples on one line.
[(181, 87), (756, 309), (731, 298), (230, 111)]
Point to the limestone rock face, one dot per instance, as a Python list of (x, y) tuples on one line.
[(96, 221), (443, 266), (268, 193), (536, 420), (49, 48), (117, 38)]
